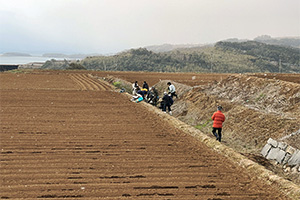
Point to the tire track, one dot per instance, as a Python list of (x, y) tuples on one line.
[(77, 81)]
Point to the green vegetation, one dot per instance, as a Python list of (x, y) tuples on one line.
[(204, 125), (117, 84), (54, 64), (58, 64), (19, 71), (75, 66), (260, 97), (224, 57), (268, 57), (122, 85)]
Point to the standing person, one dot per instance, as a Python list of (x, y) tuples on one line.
[(145, 85), (167, 102), (218, 118), (172, 89), (135, 86)]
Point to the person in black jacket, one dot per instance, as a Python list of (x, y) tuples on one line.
[(152, 96), (167, 102), (145, 85)]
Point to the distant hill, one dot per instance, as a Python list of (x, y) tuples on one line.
[(223, 57), (170, 47), (54, 55), (74, 56), (284, 41), (11, 54)]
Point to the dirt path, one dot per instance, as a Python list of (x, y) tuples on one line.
[(69, 136)]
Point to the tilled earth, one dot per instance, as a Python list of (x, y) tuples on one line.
[(70, 136)]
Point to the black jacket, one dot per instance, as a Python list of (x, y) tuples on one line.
[(167, 100), (145, 85)]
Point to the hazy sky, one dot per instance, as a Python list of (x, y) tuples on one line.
[(110, 26)]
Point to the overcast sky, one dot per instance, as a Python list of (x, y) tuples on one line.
[(110, 26)]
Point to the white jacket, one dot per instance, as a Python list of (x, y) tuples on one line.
[(172, 88)]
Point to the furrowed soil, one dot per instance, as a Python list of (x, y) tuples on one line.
[(69, 135)]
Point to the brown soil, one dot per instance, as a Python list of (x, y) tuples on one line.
[(69, 136), (295, 78), (256, 109), (152, 78)]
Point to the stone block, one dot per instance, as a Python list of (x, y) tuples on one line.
[(272, 142), (295, 159), (264, 152), (282, 145)]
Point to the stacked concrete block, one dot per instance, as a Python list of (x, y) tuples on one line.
[(295, 159), (281, 153)]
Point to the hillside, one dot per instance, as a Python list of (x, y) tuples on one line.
[(268, 57), (223, 57)]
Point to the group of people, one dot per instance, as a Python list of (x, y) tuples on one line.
[(151, 96)]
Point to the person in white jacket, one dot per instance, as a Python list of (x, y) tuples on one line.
[(135, 86), (172, 89)]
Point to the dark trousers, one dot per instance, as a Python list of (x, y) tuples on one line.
[(219, 135), (165, 106), (173, 94)]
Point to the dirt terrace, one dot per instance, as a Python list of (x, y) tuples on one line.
[(70, 136)]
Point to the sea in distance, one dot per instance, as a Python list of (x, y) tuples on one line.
[(19, 60)]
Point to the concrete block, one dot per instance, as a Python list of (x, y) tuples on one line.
[(295, 159), (272, 142), (286, 158), (272, 154), (290, 150), (276, 154), (280, 156), (282, 145), (264, 152)]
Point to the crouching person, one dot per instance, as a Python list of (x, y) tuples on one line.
[(152, 96), (137, 98)]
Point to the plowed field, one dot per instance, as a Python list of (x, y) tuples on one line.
[(70, 136)]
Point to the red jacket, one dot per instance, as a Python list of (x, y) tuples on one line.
[(218, 118)]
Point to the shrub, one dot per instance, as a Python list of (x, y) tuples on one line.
[(117, 84)]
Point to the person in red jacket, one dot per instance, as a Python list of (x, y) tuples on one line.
[(218, 118)]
